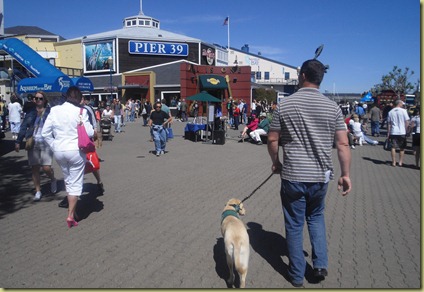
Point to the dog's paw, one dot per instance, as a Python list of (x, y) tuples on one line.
[(230, 280)]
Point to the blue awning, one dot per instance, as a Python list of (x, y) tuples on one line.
[(46, 84), (83, 83)]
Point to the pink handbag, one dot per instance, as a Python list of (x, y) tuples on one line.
[(85, 144)]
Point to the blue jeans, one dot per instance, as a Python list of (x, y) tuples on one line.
[(183, 116), (304, 200), (159, 136), (245, 118), (375, 127), (117, 120)]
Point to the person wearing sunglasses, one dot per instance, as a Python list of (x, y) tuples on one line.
[(158, 120), (40, 155)]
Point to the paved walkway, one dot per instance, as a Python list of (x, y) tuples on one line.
[(158, 223)]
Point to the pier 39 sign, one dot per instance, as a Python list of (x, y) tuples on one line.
[(153, 48)]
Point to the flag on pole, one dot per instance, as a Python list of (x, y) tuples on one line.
[(226, 21)]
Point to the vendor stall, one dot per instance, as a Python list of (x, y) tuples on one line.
[(204, 97)]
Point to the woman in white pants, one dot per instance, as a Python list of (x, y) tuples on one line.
[(60, 132), (262, 129)]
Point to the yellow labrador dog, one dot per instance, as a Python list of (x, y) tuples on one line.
[(236, 240)]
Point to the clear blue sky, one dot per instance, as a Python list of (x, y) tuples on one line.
[(363, 39)]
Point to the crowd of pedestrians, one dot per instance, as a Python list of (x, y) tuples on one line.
[(52, 133)]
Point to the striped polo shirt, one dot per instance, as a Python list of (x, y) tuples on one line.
[(307, 121)]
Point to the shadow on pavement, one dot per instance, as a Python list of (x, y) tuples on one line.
[(15, 180), (89, 203), (219, 257), (270, 245), (7, 146), (377, 161)]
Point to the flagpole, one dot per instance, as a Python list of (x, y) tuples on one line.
[(228, 33)]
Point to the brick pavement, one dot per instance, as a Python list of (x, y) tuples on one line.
[(157, 225)]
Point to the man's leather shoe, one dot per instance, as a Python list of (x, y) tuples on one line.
[(64, 203), (320, 273)]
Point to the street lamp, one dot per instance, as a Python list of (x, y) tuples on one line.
[(110, 63), (10, 73)]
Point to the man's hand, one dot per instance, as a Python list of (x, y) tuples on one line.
[(277, 168), (344, 185), (17, 147)]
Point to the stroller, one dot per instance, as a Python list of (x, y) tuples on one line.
[(105, 128)]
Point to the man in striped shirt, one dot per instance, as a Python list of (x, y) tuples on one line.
[(308, 123)]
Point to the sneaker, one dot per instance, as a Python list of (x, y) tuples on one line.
[(162, 152), (37, 196), (352, 147), (158, 153), (53, 186), (259, 143)]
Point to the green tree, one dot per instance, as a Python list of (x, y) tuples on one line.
[(267, 94), (397, 80)]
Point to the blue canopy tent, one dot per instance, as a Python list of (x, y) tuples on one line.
[(83, 83), (46, 84), (367, 98)]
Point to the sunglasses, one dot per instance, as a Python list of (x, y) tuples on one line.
[(38, 98)]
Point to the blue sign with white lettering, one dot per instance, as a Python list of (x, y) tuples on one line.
[(153, 48)]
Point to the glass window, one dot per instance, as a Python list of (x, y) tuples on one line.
[(258, 75), (266, 77), (147, 22), (128, 23), (134, 22), (141, 22), (287, 75)]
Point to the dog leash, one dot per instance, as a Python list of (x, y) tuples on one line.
[(254, 191)]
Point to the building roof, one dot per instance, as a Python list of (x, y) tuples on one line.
[(140, 33), (29, 30), (262, 57), (167, 73)]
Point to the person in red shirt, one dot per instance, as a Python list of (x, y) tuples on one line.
[(236, 114)]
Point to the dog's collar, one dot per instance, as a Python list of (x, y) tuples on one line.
[(234, 212), (236, 207), (227, 213)]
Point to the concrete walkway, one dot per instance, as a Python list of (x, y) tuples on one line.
[(158, 223)]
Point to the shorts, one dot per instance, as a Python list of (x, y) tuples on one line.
[(40, 156), (398, 141), (416, 140)]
